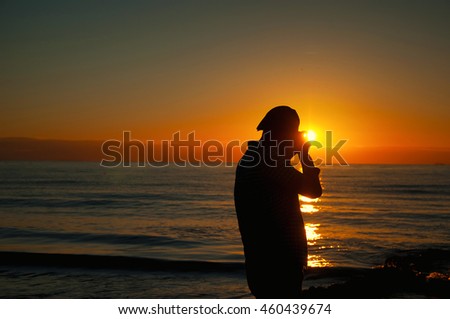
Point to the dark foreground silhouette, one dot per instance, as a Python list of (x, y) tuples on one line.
[(413, 274), (267, 206)]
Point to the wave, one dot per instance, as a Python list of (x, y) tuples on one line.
[(9, 232), (408, 189), (11, 258), (407, 274), (86, 200), (424, 261)]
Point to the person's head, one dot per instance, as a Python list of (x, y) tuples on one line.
[(282, 122), (281, 125)]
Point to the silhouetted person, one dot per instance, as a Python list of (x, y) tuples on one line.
[(268, 209)]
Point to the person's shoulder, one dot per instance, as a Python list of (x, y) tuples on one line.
[(287, 168), (251, 158), (281, 173)]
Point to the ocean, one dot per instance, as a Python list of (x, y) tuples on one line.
[(79, 230)]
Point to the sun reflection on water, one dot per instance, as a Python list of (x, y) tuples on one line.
[(305, 199), (308, 205), (317, 261), (311, 233), (307, 208)]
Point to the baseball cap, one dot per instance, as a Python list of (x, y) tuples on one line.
[(280, 118)]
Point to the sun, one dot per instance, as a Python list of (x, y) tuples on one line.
[(310, 135)]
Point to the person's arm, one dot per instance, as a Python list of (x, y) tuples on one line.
[(310, 186)]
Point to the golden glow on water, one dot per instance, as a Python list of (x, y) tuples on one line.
[(317, 261), (312, 233), (307, 208), (305, 199), (306, 204)]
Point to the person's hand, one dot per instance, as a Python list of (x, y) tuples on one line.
[(306, 146), (301, 144)]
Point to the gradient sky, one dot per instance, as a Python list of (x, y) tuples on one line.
[(374, 72)]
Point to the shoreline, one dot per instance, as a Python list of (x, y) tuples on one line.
[(421, 274)]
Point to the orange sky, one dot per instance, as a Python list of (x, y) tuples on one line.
[(375, 74)]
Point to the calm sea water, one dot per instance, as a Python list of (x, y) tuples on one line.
[(181, 218)]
